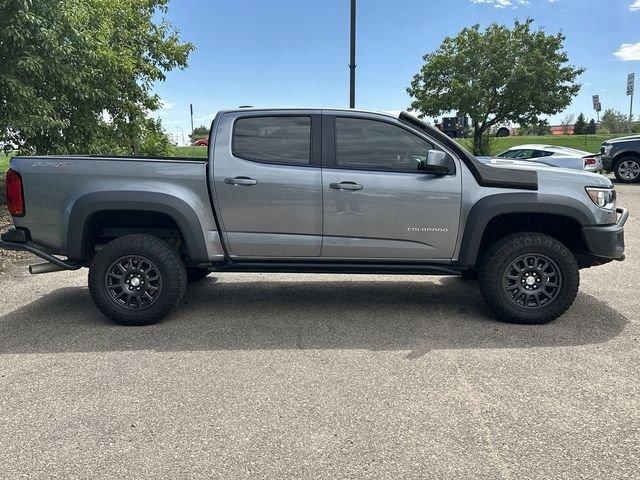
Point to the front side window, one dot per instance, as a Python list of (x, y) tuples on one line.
[(373, 145), (282, 140)]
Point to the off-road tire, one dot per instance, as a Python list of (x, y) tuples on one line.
[(497, 262), (627, 161), (195, 274), (167, 266)]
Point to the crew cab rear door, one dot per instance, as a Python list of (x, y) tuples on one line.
[(268, 183), (379, 202)]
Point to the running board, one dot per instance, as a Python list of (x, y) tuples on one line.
[(326, 267)]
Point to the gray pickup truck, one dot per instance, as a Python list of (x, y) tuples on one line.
[(321, 191)]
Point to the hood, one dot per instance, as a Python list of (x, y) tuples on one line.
[(548, 174), (624, 139)]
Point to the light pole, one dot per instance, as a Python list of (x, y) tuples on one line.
[(182, 130), (352, 60)]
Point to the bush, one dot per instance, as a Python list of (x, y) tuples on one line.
[(535, 129), (154, 139)]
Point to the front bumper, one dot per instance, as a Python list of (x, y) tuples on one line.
[(607, 241), (607, 164)]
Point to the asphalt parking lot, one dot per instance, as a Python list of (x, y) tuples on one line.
[(308, 376)]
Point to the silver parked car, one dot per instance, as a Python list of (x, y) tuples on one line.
[(556, 157)]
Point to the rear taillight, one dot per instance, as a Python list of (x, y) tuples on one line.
[(589, 161), (15, 197)]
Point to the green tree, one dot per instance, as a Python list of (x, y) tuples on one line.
[(497, 75), (580, 125), (614, 121), (536, 128), (199, 132), (76, 75), (591, 127)]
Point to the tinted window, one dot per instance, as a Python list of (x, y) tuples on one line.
[(273, 139), (517, 154), (541, 153), (368, 144)]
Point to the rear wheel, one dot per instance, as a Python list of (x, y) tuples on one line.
[(627, 170), (137, 279), (529, 278)]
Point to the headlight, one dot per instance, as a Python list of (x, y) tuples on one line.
[(606, 149), (603, 197)]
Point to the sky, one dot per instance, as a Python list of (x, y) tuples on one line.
[(296, 52)]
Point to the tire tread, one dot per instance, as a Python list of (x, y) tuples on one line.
[(491, 269), (167, 259)]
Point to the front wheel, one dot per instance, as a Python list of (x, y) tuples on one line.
[(137, 279), (627, 170), (529, 278)]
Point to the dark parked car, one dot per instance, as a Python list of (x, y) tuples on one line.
[(622, 157)]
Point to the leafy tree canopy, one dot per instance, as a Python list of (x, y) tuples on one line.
[(497, 75), (614, 121), (76, 75)]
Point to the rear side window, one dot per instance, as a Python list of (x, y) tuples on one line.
[(541, 154), (282, 140), (373, 145)]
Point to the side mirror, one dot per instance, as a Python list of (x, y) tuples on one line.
[(437, 162)]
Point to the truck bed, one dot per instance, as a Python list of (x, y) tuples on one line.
[(57, 188)]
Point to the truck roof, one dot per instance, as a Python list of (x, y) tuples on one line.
[(387, 113)]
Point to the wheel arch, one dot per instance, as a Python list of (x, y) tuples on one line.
[(88, 206), (530, 206), (624, 154), (503, 132)]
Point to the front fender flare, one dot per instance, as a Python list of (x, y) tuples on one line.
[(494, 206)]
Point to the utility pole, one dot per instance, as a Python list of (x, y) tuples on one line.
[(191, 109), (352, 61)]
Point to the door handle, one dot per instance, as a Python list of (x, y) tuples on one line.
[(244, 181), (346, 186)]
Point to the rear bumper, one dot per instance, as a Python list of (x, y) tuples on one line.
[(607, 242), (19, 239)]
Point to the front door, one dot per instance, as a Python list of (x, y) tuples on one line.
[(378, 204), (268, 184)]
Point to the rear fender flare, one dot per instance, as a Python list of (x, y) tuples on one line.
[(180, 211)]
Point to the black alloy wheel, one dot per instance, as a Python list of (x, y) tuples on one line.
[(134, 282)]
